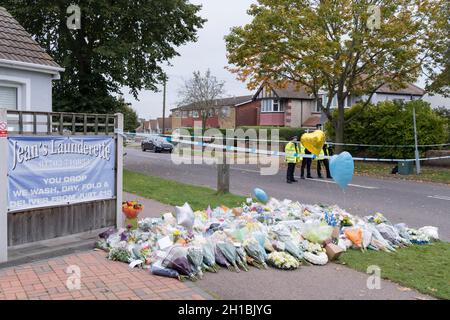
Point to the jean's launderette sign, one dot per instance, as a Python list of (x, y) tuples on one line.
[(49, 171)]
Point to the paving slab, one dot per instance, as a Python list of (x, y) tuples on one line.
[(98, 279)]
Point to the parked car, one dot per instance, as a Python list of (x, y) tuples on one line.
[(157, 144)]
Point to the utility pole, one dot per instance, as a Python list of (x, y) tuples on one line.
[(416, 143), (164, 106)]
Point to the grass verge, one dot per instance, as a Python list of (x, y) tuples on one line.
[(176, 193), (422, 267), (429, 174)]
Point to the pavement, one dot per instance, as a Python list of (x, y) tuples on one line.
[(98, 279), (415, 203)]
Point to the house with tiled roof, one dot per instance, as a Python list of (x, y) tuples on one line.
[(221, 114), (292, 106), (26, 70)]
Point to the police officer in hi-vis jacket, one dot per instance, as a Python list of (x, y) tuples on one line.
[(292, 151), (326, 151)]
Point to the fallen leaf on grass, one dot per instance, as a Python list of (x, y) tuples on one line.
[(404, 289)]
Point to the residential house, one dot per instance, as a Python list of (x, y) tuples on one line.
[(293, 106), (167, 125), (26, 70), (290, 106), (384, 93), (221, 114)]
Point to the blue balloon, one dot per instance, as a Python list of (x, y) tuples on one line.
[(342, 168), (261, 195)]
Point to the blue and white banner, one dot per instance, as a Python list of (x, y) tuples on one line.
[(49, 171)]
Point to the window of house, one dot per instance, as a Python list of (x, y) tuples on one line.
[(318, 105), (270, 105), (195, 114), (8, 98), (210, 113)]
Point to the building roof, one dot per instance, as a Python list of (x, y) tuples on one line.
[(17, 45), (312, 122), (410, 89), (224, 102), (292, 91)]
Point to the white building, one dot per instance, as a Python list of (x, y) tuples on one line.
[(26, 70)]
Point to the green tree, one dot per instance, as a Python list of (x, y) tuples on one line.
[(122, 43), (445, 114), (333, 46), (391, 123), (130, 116)]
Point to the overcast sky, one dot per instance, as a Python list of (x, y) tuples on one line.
[(208, 52)]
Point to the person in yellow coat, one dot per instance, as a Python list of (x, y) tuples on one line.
[(292, 158), (326, 151)]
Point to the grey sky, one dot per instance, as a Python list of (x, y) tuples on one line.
[(208, 52)]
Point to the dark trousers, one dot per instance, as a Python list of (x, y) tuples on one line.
[(306, 162), (327, 167), (290, 172)]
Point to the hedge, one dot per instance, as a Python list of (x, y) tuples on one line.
[(391, 123)]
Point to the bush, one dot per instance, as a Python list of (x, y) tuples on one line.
[(391, 123), (445, 113)]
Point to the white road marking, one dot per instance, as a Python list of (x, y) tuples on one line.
[(318, 180), (440, 197)]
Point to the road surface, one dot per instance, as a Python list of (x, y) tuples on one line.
[(417, 204)]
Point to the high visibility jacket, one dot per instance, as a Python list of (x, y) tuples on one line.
[(291, 151), (323, 154), (302, 151)]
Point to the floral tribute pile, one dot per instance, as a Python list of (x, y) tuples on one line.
[(280, 234)]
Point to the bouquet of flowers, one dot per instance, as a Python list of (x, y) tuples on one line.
[(120, 253), (241, 258), (255, 254), (221, 260), (417, 237), (283, 260), (176, 258), (229, 252), (209, 259), (195, 257), (131, 209), (293, 250), (315, 254)]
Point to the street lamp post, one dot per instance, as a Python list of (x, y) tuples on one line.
[(415, 142)]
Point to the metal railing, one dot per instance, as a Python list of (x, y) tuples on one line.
[(59, 123)]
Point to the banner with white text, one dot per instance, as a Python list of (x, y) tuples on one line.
[(50, 171)]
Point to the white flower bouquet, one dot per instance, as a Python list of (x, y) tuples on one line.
[(283, 261)]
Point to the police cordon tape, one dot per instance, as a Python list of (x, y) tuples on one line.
[(329, 143), (264, 152)]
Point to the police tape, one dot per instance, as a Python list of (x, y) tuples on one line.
[(275, 153), (285, 141)]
